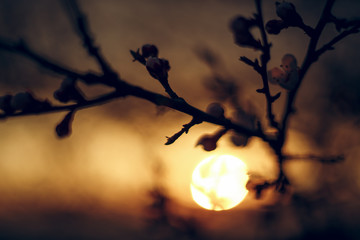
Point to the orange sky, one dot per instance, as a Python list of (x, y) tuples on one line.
[(101, 173)]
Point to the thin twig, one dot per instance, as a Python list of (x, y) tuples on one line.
[(309, 59), (307, 29), (123, 89), (21, 48), (265, 58), (82, 105), (185, 129), (168, 89), (254, 64), (330, 44), (80, 24)]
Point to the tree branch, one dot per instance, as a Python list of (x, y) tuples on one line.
[(159, 71), (71, 107), (338, 38), (185, 129), (79, 22), (265, 58), (309, 59), (21, 48), (123, 89)]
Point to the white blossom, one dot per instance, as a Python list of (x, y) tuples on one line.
[(288, 76)]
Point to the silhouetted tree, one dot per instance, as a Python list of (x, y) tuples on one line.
[(243, 126)]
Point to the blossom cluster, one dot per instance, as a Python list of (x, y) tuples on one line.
[(244, 117), (288, 75), (22, 102), (288, 15)]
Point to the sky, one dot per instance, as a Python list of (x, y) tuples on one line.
[(96, 183)]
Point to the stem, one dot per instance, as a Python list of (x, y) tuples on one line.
[(80, 24), (168, 89), (329, 45), (265, 58), (310, 58), (185, 129)]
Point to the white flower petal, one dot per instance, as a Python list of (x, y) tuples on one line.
[(276, 75), (289, 62), (291, 80)]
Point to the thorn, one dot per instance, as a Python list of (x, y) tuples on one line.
[(262, 90)]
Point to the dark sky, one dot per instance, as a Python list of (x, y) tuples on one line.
[(94, 184)]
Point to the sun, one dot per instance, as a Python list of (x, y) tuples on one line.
[(218, 182)]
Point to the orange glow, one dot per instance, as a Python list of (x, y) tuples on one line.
[(218, 182)]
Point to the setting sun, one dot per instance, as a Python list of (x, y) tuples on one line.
[(218, 182)]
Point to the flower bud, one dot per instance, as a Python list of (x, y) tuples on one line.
[(289, 63), (26, 102), (68, 91), (276, 75), (287, 12), (240, 27), (22, 101), (216, 110), (5, 103), (149, 50), (158, 67), (288, 77), (208, 142), (246, 119), (63, 129), (291, 80), (275, 26), (239, 140)]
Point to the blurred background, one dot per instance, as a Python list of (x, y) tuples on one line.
[(106, 179)]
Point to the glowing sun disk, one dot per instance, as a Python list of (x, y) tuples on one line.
[(218, 182)]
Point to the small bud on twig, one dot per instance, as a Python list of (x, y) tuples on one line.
[(24, 102), (240, 27), (21, 101), (158, 68), (149, 50), (216, 110), (287, 12), (244, 118), (5, 104), (290, 18), (68, 91), (275, 26), (63, 129), (209, 142), (137, 56)]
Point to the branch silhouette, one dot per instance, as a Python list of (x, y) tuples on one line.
[(245, 124)]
